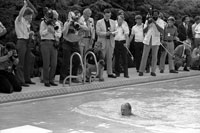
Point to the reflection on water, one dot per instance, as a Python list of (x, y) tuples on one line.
[(159, 110)]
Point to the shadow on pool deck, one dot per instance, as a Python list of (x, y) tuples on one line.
[(40, 91)]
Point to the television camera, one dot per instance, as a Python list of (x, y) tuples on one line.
[(49, 18)]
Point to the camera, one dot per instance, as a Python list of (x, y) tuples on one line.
[(75, 24), (150, 16), (73, 19), (14, 56), (49, 18), (11, 47)]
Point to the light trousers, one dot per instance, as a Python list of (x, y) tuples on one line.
[(145, 55)]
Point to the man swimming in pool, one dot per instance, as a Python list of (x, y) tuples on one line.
[(126, 109)]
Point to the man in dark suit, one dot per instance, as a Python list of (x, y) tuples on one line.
[(185, 29)]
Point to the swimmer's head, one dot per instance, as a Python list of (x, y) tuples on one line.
[(126, 109)]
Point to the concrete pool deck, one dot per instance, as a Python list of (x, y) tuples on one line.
[(40, 91)]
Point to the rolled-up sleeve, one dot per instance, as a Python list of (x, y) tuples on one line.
[(43, 29)]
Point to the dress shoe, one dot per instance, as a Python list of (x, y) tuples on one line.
[(173, 71), (24, 85), (47, 84), (186, 69), (30, 82), (161, 71), (153, 74), (140, 74), (75, 81), (53, 84), (111, 76), (66, 81), (126, 76)]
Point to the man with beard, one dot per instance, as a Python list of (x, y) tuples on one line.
[(153, 27)]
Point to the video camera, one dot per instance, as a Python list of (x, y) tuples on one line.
[(49, 18)]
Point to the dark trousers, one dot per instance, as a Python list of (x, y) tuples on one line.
[(24, 66), (9, 82), (68, 49), (138, 54), (49, 58), (120, 51)]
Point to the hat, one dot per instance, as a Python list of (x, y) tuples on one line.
[(138, 17), (171, 18)]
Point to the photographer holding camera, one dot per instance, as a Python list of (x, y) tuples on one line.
[(8, 60), (153, 28), (50, 32), (72, 34)]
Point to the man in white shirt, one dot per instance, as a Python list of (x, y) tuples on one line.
[(138, 34), (89, 35), (197, 32), (121, 45), (154, 27), (23, 32), (50, 32)]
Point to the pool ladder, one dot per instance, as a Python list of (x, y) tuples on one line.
[(83, 65)]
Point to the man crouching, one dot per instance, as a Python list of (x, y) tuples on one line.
[(91, 67)]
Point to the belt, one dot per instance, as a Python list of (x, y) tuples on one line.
[(47, 40), (120, 40), (23, 39), (168, 40), (87, 37)]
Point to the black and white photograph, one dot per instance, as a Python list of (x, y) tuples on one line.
[(100, 66)]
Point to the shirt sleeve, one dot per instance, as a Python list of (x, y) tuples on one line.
[(133, 31), (43, 29)]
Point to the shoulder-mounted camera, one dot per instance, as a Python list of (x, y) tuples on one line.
[(49, 18)]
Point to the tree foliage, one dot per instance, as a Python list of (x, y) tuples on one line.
[(10, 8)]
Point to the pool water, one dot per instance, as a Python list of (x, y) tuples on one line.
[(162, 107), (167, 107)]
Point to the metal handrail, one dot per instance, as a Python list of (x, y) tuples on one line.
[(73, 76), (96, 63)]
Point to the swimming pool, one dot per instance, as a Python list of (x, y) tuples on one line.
[(162, 107)]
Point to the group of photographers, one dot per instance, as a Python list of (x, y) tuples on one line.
[(78, 35)]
